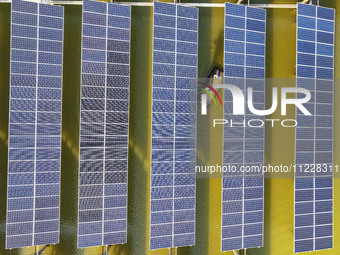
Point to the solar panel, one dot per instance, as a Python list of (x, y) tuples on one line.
[(102, 218), (243, 146), (173, 159), (35, 124), (313, 228)]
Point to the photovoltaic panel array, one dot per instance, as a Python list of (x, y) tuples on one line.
[(243, 146), (314, 133), (102, 218), (34, 124), (173, 153)]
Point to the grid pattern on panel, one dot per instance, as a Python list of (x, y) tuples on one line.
[(172, 219), (242, 194), (35, 124), (102, 218), (313, 228)]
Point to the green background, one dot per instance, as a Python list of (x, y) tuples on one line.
[(279, 142)]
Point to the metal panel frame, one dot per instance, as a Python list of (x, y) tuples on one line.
[(107, 26), (148, 4), (244, 79), (314, 177), (37, 75), (174, 149)]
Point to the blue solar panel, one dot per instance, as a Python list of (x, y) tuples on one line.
[(173, 126), (242, 193), (35, 124), (314, 144), (102, 218)]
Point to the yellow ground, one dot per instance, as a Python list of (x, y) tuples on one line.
[(278, 232)]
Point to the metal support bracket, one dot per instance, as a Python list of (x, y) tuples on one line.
[(150, 4)]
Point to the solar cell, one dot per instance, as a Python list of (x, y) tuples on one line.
[(35, 124), (173, 126), (102, 218), (242, 193), (314, 145)]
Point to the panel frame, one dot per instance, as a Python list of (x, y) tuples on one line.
[(315, 80), (176, 16), (37, 52), (106, 62), (244, 79)]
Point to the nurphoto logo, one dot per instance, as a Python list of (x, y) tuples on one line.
[(241, 100)]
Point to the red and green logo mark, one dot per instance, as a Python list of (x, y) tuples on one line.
[(205, 89)]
